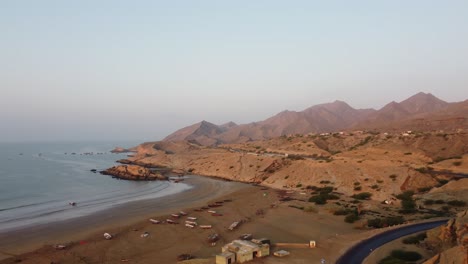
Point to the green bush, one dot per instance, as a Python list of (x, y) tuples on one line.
[(415, 239), (327, 189), (357, 188), (408, 195), (384, 222), (362, 196), (351, 218), (342, 212), (406, 255), (318, 199), (457, 163)]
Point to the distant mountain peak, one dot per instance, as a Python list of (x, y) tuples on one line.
[(423, 103), (228, 125), (328, 117)]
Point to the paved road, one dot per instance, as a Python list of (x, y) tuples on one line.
[(359, 252)]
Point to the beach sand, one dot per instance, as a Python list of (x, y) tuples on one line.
[(259, 207)]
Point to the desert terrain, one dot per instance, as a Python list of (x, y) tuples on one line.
[(298, 183)]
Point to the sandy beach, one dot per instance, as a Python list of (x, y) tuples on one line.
[(30, 238), (259, 207)]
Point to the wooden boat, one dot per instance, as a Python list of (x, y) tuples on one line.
[(182, 213), (189, 225), (175, 215), (234, 225), (199, 210), (169, 221), (212, 211), (191, 218), (154, 221), (205, 226)]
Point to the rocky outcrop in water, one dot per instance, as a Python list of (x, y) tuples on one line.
[(121, 150), (133, 172)]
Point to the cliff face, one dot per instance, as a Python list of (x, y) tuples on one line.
[(133, 172), (451, 241)]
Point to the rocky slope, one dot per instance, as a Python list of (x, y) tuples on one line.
[(383, 164), (451, 241)]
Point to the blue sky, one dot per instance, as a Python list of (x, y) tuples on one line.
[(138, 70)]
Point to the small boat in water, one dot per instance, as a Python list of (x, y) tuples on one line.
[(72, 203)]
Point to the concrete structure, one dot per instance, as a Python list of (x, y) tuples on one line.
[(226, 258), (240, 251)]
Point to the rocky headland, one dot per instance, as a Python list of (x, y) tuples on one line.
[(383, 164), (133, 172)]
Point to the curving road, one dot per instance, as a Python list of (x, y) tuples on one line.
[(360, 251)]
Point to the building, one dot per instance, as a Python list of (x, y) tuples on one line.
[(240, 251)]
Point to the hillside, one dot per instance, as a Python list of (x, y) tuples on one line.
[(421, 112), (341, 159)]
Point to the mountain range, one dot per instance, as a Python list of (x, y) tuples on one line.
[(422, 111)]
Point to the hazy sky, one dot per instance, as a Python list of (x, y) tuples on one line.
[(118, 70)]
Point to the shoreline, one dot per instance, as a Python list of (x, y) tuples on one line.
[(203, 189)]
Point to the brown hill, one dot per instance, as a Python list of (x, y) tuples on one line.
[(422, 112), (204, 133), (401, 115)]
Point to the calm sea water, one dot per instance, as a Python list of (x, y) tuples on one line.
[(38, 180)]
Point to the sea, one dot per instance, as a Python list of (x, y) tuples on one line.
[(39, 180)]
